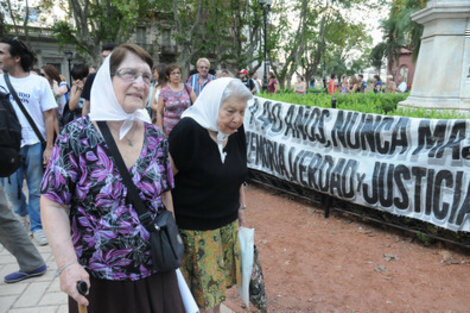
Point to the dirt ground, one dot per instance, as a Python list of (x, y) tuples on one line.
[(340, 264)]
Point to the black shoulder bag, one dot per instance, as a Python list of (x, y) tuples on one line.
[(167, 247), (23, 109)]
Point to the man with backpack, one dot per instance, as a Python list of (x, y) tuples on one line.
[(34, 105)]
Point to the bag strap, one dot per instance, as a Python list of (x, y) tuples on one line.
[(23, 109), (132, 192), (189, 94)]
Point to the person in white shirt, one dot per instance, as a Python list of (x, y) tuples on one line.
[(36, 96), (402, 86), (257, 82)]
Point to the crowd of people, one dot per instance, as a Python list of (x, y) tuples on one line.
[(357, 84), (184, 146)]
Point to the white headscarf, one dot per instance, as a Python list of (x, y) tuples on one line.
[(104, 105), (205, 111)]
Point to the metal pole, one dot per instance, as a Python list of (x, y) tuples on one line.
[(69, 56), (265, 75), (70, 75)]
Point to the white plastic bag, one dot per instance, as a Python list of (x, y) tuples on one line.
[(190, 305), (247, 238)]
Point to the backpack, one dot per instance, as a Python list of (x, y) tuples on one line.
[(10, 137), (68, 116)]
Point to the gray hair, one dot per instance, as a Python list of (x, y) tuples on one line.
[(236, 89), (203, 60)]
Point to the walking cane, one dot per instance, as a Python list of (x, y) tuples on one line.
[(82, 288)]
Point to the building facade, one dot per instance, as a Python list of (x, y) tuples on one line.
[(405, 67)]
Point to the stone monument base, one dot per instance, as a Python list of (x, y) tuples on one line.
[(437, 103), (442, 76)]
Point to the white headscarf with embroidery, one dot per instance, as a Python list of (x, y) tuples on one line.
[(104, 105), (205, 111)]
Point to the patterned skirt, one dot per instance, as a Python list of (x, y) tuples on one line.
[(211, 263)]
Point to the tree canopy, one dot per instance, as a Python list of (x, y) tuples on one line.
[(96, 22), (399, 32), (305, 37), (324, 40)]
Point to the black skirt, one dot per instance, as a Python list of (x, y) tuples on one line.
[(158, 293)]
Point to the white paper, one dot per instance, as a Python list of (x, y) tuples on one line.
[(190, 304), (246, 237)]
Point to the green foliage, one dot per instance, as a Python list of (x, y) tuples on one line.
[(427, 113), (400, 31), (96, 22), (376, 55), (366, 103), (385, 104), (18, 14), (227, 32), (321, 36), (3, 26), (424, 238), (65, 33)]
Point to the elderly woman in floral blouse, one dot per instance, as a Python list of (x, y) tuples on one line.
[(94, 232)]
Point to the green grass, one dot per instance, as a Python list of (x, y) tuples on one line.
[(385, 104)]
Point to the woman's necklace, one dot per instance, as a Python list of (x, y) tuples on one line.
[(130, 139), (129, 136)]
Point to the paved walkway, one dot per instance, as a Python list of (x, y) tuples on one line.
[(35, 295), (39, 294)]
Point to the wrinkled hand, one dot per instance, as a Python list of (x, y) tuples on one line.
[(68, 282), (241, 218), (46, 156)]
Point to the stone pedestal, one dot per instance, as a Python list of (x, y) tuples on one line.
[(442, 77)]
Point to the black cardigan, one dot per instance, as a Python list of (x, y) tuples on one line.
[(207, 192)]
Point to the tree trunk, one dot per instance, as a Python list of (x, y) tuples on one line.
[(12, 16), (3, 28)]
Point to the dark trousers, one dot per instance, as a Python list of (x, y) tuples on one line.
[(14, 238)]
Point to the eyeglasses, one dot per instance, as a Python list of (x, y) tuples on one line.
[(175, 73), (203, 67), (129, 75)]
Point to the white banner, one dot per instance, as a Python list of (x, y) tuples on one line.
[(405, 166)]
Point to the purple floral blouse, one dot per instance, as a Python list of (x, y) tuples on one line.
[(109, 239)]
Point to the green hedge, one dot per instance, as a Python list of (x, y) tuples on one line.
[(363, 102)]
